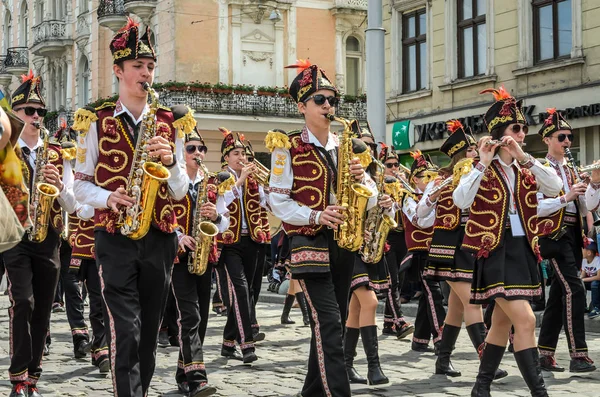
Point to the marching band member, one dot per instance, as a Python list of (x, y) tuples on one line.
[(134, 273), (418, 233), (303, 171), (366, 279), (32, 267), (394, 322), (248, 228), (500, 191), (192, 290), (445, 262), (561, 242)]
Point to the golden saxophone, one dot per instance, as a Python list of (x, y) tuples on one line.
[(406, 188), (43, 195), (203, 230), (261, 174), (350, 195), (145, 178), (377, 224)]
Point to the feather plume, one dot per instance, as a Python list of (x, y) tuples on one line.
[(549, 119), (416, 154), (242, 137), (27, 77), (454, 125), (383, 145), (300, 65), (224, 131), (130, 24), (499, 93)]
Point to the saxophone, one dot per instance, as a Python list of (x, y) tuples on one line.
[(145, 178), (203, 230), (350, 195), (377, 224), (43, 194)]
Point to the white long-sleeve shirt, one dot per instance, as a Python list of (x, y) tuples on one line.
[(464, 194), (236, 193), (409, 208), (592, 196), (87, 192), (548, 206)]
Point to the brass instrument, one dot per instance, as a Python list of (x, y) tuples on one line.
[(203, 230), (43, 195), (405, 185), (261, 174), (145, 178), (350, 195), (377, 224)]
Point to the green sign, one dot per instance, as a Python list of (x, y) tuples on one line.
[(400, 138)]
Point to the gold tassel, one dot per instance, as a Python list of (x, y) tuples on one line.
[(83, 118), (276, 139), (364, 157), (462, 167), (226, 185), (185, 124), (68, 153)]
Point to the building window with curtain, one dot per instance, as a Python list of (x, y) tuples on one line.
[(353, 66), (472, 38), (552, 30), (414, 51)]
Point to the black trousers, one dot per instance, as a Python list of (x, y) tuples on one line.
[(239, 260), (192, 299), (567, 297), (393, 309), (430, 312), (168, 323), (257, 282), (327, 296), (73, 299), (221, 294), (32, 270), (134, 277), (88, 272)]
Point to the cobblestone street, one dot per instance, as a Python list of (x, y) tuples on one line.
[(281, 366)]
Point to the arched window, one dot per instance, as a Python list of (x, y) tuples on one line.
[(7, 31), (23, 25), (39, 12), (83, 82), (353, 66)]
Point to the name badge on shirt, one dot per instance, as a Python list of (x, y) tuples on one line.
[(515, 225)]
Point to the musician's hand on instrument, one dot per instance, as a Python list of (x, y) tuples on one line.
[(576, 190), (159, 147), (367, 237), (119, 197), (386, 201), (513, 148), (247, 170), (332, 216), (596, 173), (486, 152), (187, 242), (209, 210), (52, 176), (356, 169)]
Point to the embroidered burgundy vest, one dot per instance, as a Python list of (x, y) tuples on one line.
[(72, 225), (416, 239), (312, 183), (447, 214), (551, 224), (83, 241), (485, 228), (116, 149)]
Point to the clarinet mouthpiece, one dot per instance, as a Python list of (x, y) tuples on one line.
[(145, 85)]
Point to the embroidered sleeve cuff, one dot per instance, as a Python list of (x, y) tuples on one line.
[(236, 194), (480, 167), (429, 203), (595, 185), (314, 217), (279, 190), (563, 200), (528, 162)]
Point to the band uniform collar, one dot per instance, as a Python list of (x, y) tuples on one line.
[(514, 162), (554, 161), (39, 143), (308, 137), (120, 109)]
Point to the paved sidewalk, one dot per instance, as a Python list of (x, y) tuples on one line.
[(280, 369)]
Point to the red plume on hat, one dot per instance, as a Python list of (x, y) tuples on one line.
[(454, 125), (130, 24), (224, 131), (551, 112), (242, 137), (300, 65), (418, 156), (498, 93), (27, 77)]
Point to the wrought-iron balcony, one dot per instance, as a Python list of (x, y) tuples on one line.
[(5, 77), (51, 38), (111, 14), (141, 8), (359, 5), (17, 61), (250, 104)]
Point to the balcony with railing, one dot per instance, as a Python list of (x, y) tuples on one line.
[(141, 8), (358, 5), (5, 77), (17, 61), (51, 38), (111, 14)]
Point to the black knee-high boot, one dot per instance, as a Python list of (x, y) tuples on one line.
[(287, 306), (350, 342), (302, 303), (477, 333), (490, 360), (528, 361), (443, 366), (375, 375)]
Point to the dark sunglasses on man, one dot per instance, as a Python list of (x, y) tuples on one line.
[(392, 165), (516, 128), (191, 149), (30, 110), (320, 99), (563, 137)]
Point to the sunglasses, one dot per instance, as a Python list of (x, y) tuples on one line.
[(191, 149), (320, 99), (563, 137), (516, 128), (30, 110), (392, 165)]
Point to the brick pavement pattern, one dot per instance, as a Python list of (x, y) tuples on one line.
[(281, 366)]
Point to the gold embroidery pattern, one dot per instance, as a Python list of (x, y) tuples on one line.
[(82, 241), (18, 97), (105, 148), (252, 207), (122, 53), (81, 154), (498, 120), (456, 148)]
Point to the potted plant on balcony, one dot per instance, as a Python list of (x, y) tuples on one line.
[(200, 87), (243, 89), (349, 98), (266, 90), (176, 86), (362, 98), (283, 92), (222, 88)]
